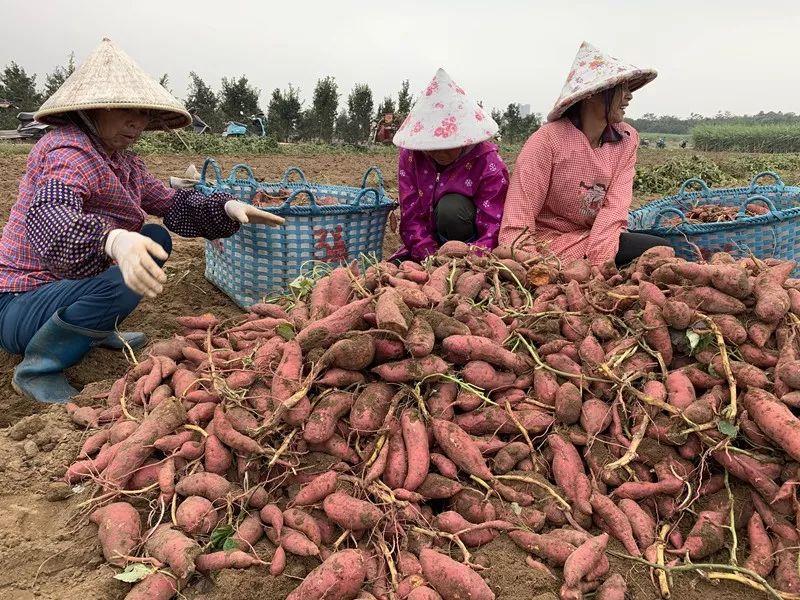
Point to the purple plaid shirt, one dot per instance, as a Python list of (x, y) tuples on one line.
[(74, 193)]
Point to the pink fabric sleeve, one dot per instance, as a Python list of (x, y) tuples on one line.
[(489, 200), (528, 189), (416, 227), (603, 242)]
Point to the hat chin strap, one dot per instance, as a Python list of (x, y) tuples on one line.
[(87, 120)]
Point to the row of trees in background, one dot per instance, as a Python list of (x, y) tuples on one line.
[(651, 123), (328, 117)]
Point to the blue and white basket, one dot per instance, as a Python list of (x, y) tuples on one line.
[(775, 234), (259, 261)]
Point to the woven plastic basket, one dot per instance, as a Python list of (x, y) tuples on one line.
[(259, 261), (771, 235)]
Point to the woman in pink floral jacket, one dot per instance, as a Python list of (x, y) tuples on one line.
[(452, 181)]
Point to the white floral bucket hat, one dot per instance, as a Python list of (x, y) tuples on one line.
[(109, 78), (592, 72), (444, 117)]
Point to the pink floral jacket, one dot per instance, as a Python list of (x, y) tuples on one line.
[(479, 174)]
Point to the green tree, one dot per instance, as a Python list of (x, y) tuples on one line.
[(202, 101), (238, 98), (319, 121), (284, 113), (515, 128), (54, 80), (359, 113), (342, 127), (404, 100), (20, 88), (385, 107), (164, 82)]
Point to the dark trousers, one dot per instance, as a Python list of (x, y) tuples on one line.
[(633, 245), (98, 303), (455, 218)]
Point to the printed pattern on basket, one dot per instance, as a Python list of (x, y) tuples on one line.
[(771, 235), (259, 261)]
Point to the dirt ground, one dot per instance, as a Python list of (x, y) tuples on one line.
[(48, 552)]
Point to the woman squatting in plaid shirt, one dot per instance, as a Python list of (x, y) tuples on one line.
[(572, 184), (76, 256)]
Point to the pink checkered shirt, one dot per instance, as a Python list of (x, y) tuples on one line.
[(569, 195), (73, 193)]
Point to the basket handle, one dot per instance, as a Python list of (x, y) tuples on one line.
[(210, 162), (696, 181), (778, 181), (774, 212), (364, 192), (288, 173), (667, 211), (311, 197), (234, 176), (378, 178)]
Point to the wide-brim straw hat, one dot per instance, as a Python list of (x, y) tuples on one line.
[(444, 117), (594, 71), (109, 78)]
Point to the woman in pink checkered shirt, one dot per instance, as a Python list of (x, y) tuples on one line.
[(76, 256), (572, 184)]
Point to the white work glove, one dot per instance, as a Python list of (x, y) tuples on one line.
[(245, 213), (134, 254)]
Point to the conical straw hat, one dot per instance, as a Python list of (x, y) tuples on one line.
[(109, 78), (444, 117), (593, 71)]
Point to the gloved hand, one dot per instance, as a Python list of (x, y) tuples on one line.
[(245, 213), (134, 254)]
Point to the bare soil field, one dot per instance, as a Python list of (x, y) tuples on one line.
[(47, 549)]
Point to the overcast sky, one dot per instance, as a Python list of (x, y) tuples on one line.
[(736, 55)]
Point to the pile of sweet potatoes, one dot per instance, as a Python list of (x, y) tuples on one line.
[(395, 417)]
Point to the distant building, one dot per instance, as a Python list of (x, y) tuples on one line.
[(524, 110)]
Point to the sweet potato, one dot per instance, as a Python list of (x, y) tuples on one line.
[(394, 474), (569, 474), (155, 586), (613, 588), (617, 522), (351, 513), (774, 419), (493, 419), (136, 448), (483, 375), (706, 536), (217, 458), (772, 301), (452, 522), (438, 487), (443, 325), (415, 439), (553, 549), (423, 592), (287, 387), (760, 559), (391, 313), (507, 458), (196, 515), (581, 562), (119, 528), (709, 300), (233, 559), (642, 524), (173, 548), (595, 416), (441, 400), (568, 404), (239, 442), (459, 447), (340, 576), (303, 522), (677, 314), (464, 348), (336, 446), (680, 391), (545, 386), (353, 353), (420, 338), (208, 485), (411, 369), (323, 332), (789, 373), (451, 579), (321, 425), (370, 407)]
